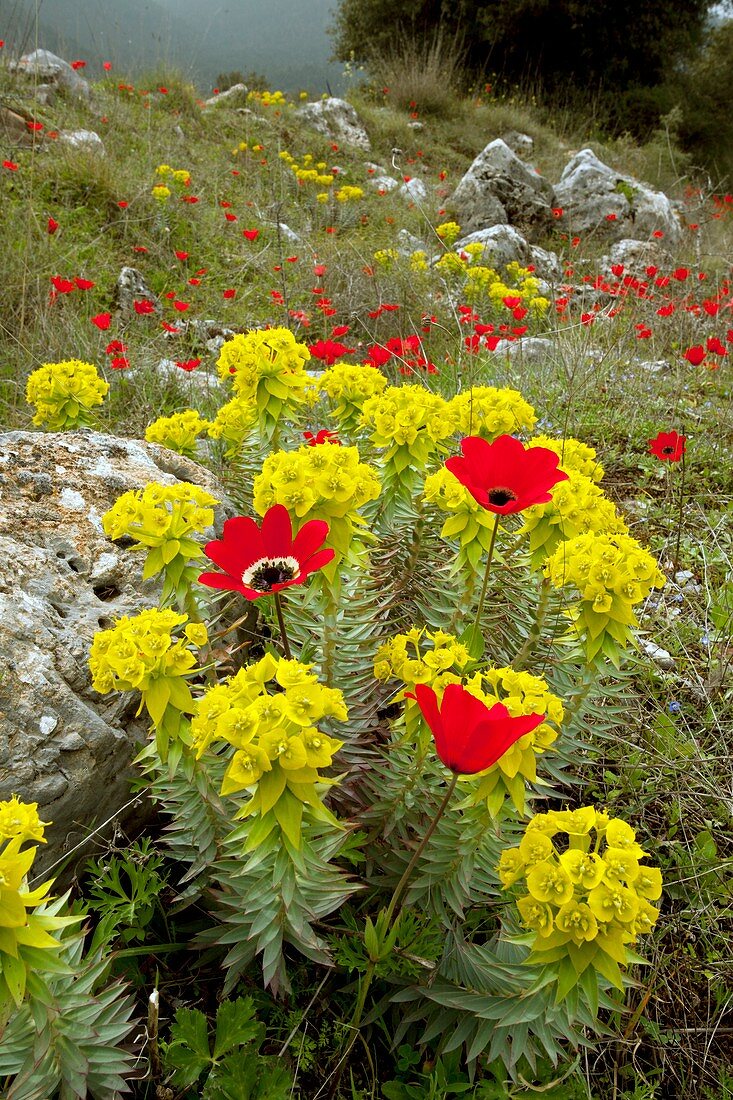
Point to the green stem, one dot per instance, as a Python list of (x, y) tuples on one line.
[(482, 597), (281, 624), (543, 606), (676, 559)]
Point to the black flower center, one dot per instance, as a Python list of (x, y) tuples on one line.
[(668, 450), (264, 574), (501, 496)]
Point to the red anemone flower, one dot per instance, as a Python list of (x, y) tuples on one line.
[(261, 560), (505, 476), (469, 736), (668, 446)]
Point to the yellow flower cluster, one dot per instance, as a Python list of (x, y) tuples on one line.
[(578, 506), (160, 192), (348, 193), (178, 432), (611, 573), (137, 651), (21, 930), (410, 421), (386, 257), (233, 423), (267, 367), (307, 171), (491, 412), (162, 518), (64, 394), (421, 656), (449, 232), (267, 98), (573, 455), (521, 693), (471, 524), (588, 896), (321, 482), (181, 176), (348, 386), (278, 745)]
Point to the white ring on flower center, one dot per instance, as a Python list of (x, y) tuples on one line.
[(284, 569)]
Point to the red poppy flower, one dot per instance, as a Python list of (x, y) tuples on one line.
[(119, 363), (143, 306), (51, 226), (668, 446), (181, 255), (229, 294), (695, 355), (102, 321), (261, 560), (323, 436), (251, 234), (62, 285), (505, 476), (76, 65), (469, 736), (188, 364), (329, 351), (10, 165)]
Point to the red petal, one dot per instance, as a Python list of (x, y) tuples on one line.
[(309, 538), (317, 561), (240, 546), (277, 533)]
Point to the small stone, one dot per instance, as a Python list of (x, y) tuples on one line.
[(660, 657)]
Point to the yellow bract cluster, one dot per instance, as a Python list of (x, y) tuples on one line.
[(449, 232), (64, 394), (491, 412), (178, 432), (162, 518), (611, 573), (348, 193), (573, 455), (181, 176), (578, 506), (308, 171), (233, 423), (421, 656), (521, 693), (267, 368), (278, 746), (267, 98), (139, 650), (471, 524), (20, 819), (321, 482), (589, 895), (348, 386), (410, 422), (386, 257)]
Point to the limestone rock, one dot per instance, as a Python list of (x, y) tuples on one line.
[(499, 188), (61, 744), (596, 198), (504, 244), (86, 140), (47, 67), (636, 256), (521, 144), (414, 190), (236, 96), (337, 119), (130, 288)]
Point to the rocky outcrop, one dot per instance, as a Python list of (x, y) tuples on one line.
[(337, 120), (498, 188), (236, 96), (61, 744), (504, 244), (596, 198), (44, 66)]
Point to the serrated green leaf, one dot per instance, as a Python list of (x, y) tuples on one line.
[(236, 1025), (188, 1052)]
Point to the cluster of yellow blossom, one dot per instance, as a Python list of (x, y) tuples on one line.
[(587, 898), (419, 261), (20, 929), (246, 146), (181, 177), (578, 506), (469, 522), (521, 693), (64, 394), (449, 232), (267, 367), (307, 171), (410, 421), (321, 482), (178, 432), (386, 257), (267, 98), (348, 386), (278, 745), (611, 573), (421, 656), (573, 455), (348, 193), (484, 284), (491, 412), (233, 423), (163, 519)]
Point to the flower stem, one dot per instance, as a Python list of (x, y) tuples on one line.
[(543, 606), (482, 597), (676, 559), (281, 624)]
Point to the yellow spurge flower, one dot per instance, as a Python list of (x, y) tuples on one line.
[(449, 232), (20, 819), (164, 519), (321, 482), (348, 386), (348, 193), (322, 197), (233, 423), (267, 368), (386, 257), (64, 394), (421, 656), (490, 412), (419, 261), (597, 893), (468, 522), (578, 506), (410, 422), (574, 456), (160, 192), (521, 693), (178, 432), (164, 170), (611, 573), (450, 263), (278, 747)]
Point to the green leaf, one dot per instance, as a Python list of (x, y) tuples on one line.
[(153, 563), (289, 813), (13, 971), (235, 1026), (188, 1052), (156, 698)]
